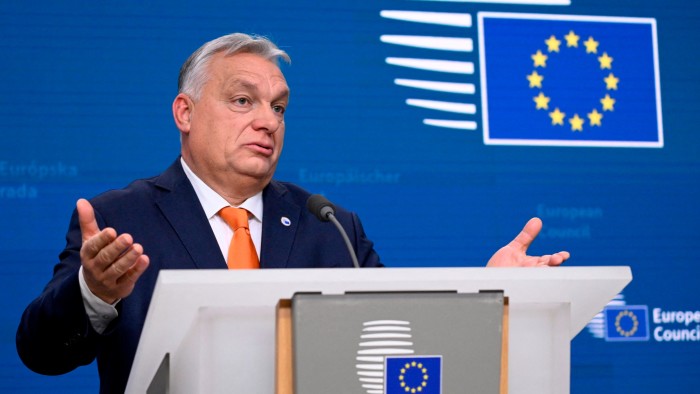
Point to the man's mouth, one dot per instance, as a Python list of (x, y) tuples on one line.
[(262, 148)]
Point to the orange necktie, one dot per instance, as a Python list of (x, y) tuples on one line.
[(241, 252)]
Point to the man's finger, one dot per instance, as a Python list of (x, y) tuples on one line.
[(135, 271), (528, 234), (94, 245), (86, 218), (119, 248), (559, 258)]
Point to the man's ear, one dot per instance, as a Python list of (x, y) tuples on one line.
[(182, 112)]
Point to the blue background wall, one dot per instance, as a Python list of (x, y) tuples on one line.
[(87, 88)]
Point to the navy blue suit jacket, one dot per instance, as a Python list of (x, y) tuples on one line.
[(164, 215)]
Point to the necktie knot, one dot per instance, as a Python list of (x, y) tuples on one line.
[(235, 217), (241, 252)]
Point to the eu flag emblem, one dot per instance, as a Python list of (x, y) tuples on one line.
[(413, 374), (627, 323), (569, 80)]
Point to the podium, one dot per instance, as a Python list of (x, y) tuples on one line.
[(215, 329)]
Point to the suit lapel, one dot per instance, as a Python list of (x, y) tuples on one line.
[(180, 206), (280, 223)]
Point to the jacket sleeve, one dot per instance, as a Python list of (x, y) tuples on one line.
[(55, 335)]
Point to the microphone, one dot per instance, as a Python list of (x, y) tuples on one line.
[(325, 212)]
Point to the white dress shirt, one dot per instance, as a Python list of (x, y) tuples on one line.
[(212, 202)]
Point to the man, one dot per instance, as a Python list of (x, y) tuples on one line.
[(230, 113)]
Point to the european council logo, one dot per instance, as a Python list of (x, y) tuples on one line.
[(569, 80), (627, 323), (414, 374)]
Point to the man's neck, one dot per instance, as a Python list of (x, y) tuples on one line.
[(235, 190)]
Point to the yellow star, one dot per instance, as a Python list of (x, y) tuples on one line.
[(611, 82), (605, 61), (571, 39), (540, 59), (608, 103), (591, 45), (552, 44), (535, 80), (542, 101), (576, 123), (595, 117), (557, 117)]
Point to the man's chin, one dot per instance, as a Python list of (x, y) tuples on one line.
[(263, 173)]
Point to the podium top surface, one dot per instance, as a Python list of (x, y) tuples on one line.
[(587, 289), (181, 296)]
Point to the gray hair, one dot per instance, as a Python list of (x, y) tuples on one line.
[(193, 74)]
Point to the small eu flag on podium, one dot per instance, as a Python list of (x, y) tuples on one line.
[(414, 374)]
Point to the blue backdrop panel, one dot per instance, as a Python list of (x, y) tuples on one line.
[(88, 88)]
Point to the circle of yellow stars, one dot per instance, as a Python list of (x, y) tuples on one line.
[(424, 379), (635, 323), (535, 79)]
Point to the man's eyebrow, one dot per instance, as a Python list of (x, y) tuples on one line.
[(242, 83), (284, 95)]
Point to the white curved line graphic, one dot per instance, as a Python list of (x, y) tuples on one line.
[(385, 322), (459, 108), (385, 351), (451, 124), (440, 43), (385, 343), (437, 86), (370, 359), (437, 18), (386, 328), (379, 374), (446, 66), (373, 367)]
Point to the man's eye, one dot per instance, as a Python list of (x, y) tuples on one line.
[(279, 109), (241, 101)]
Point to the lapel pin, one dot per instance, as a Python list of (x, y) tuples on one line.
[(285, 221)]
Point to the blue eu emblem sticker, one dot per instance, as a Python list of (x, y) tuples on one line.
[(627, 323), (414, 374)]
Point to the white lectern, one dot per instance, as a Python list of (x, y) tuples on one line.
[(218, 327)]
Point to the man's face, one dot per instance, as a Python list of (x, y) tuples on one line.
[(236, 127)]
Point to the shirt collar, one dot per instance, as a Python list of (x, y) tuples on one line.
[(212, 202)]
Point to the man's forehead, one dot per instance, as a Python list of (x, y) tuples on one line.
[(246, 70), (249, 63)]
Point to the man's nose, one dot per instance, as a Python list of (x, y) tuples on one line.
[(266, 119)]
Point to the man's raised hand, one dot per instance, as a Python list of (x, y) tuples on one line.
[(111, 263), (515, 253)]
